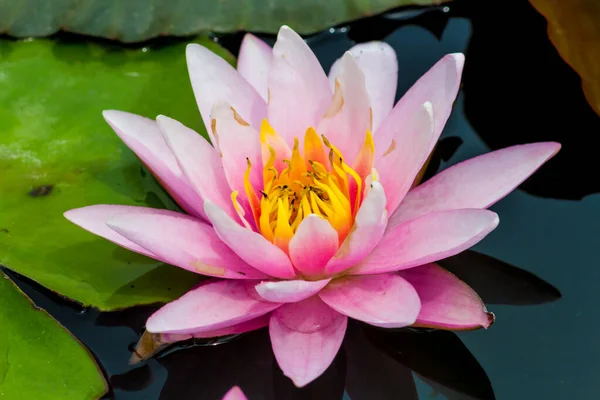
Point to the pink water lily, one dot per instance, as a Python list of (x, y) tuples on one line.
[(304, 210), (235, 393)]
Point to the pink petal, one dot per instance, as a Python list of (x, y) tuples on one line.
[(299, 92), (214, 79), (428, 238), (446, 301), (238, 142), (348, 118), (366, 233), (235, 393), (399, 158), (306, 337), (475, 183), (254, 62), (143, 137), (93, 219), (313, 245), (213, 305), (181, 240), (199, 161), (385, 300), (247, 326), (289, 291), (251, 246), (439, 86), (379, 64)]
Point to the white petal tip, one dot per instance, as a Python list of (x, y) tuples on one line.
[(300, 382), (459, 59), (70, 214), (110, 115), (428, 107), (496, 220)]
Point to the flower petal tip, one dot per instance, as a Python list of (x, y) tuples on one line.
[(429, 108), (491, 319), (235, 393), (112, 117), (459, 60)]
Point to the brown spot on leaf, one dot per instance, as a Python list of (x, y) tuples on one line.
[(391, 148), (40, 191)]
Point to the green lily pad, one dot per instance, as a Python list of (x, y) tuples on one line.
[(57, 153), (39, 359), (137, 20), (574, 29)]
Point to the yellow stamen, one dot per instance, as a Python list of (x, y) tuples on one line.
[(296, 185), (313, 147)]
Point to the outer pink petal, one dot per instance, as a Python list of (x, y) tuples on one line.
[(439, 86), (254, 62), (238, 143), (348, 118), (247, 326), (475, 183), (251, 246), (214, 79), (429, 238), (446, 301), (289, 291), (379, 64), (143, 137), (93, 219), (181, 240), (235, 393), (199, 161), (306, 337), (210, 306), (385, 300), (299, 92), (398, 159), (366, 233), (313, 245)]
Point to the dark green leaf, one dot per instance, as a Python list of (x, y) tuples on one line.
[(39, 359), (136, 20)]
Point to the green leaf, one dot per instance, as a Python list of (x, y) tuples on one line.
[(574, 29), (137, 20), (39, 359), (57, 153)]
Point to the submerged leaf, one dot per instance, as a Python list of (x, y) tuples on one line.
[(137, 20), (39, 359), (57, 153)]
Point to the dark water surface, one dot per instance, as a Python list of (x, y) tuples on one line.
[(516, 89)]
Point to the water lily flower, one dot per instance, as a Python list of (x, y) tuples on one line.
[(235, 393), (304, 209)]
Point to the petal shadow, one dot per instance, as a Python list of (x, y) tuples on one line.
[(438, 356), (498, 282), (372, 374)]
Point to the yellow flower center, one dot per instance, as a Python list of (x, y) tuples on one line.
[(297, 184)]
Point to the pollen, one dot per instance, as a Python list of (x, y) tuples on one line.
[(296, 183)]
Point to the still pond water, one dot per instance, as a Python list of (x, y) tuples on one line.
[(516, 89)]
